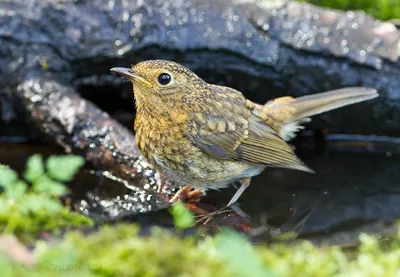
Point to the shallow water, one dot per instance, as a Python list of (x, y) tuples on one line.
[(349, 193)]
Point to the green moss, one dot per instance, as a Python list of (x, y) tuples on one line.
[(28, 226), (27, 210), (381, 9), (183, 218), (120, 251), (374, 258)]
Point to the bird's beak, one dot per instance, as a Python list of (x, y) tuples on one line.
[(130, 75)]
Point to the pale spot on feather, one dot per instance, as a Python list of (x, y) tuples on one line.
[(231, 126), (227, 106), (204, 132), (240, 140), (241, 120), (250, 105), (212, 125), (221, 126)]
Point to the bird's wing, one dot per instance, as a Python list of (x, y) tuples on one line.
[(243, 136)]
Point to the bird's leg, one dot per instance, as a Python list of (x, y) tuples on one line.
[(186, 193), (244, 183), (239, 211), (205, 218)]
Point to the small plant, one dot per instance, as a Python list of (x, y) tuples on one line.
[(234, 250), (120, 250), (183, 218), (29, 209), (381, 9)]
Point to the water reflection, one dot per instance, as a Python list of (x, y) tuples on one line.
[(350, 193)]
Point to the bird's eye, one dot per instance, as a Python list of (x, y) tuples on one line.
[(164, 79)]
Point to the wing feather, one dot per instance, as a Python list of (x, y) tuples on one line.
[(265, 148), (252, 141)]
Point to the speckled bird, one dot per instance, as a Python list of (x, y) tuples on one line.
[(210, 136)]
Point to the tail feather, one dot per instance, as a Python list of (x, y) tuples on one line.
[(306, 106), (310, 105)]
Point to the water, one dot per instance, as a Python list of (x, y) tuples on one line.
[(350, 193)]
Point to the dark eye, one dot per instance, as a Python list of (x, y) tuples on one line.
[(164, 79)]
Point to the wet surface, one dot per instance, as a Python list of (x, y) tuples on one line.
[(350, 193), (315, 34), (93, 192), (291, 49), (262, 48)]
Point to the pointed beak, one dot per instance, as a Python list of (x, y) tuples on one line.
[(130, 75)]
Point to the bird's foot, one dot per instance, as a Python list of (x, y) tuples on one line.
[(187, 194), (206, 217)]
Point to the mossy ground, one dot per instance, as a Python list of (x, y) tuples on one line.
[(381, 9), (30, 206), (28, 227), (119, 250)]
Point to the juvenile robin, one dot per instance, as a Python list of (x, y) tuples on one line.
[(209, 136)]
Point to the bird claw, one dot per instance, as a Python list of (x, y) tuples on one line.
[(187, 194)]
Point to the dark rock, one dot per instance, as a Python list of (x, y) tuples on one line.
[(263, 49), (51, 50)]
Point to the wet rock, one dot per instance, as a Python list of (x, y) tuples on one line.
[(82, 128), (263, 49), (50, 51)]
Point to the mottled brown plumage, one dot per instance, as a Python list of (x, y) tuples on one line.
[(208, 136)]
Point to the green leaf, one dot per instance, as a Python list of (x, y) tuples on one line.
[(235, 250), (17, 190), (63, 168), (47, 185), (34, 168), (182, 217), (4, 205), (51, 205), (36, 203), (7, 177)]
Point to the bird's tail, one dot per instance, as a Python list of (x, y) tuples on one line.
[(310, 105), (290, 113)]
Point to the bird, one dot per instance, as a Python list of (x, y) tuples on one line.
[(209, 136)]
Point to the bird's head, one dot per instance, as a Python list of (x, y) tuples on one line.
[(159, 82)]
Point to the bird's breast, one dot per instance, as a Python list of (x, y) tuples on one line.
[(165, 139), (171, 150)]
